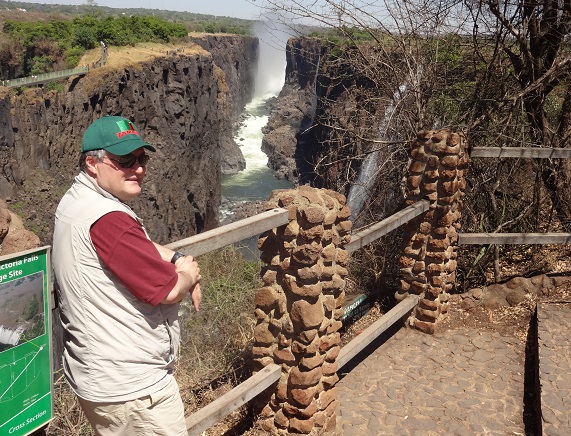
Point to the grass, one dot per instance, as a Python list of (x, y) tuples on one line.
[(216, 341), (120, 57)]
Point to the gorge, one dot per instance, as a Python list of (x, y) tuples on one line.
[(184, 102), (189, 104)]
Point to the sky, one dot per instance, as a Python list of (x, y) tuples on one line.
[(231, 8)]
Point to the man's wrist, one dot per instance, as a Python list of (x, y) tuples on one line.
[(177, 255)]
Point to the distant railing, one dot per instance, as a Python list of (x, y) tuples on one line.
[(40, 79), (45, 77)]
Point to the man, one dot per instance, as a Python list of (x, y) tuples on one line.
[(119, 291)]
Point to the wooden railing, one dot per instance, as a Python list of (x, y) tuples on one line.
[(235, 232), (208, 241), (517, 238)]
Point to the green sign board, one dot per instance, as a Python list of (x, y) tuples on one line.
[(26, 402)]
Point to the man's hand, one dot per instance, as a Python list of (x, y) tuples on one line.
[(196, 296), (188, 281)]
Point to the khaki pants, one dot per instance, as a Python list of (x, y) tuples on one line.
[(158, 414)]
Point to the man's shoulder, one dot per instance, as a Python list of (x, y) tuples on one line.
[(83, 203)]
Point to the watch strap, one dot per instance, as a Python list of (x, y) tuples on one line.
[(177, 255)]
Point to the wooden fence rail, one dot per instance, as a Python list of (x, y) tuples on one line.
[(372, 332), (231, 233), (513, 238), (517, 238), (523, 152), (237, 397), (235, 232), (374, 232)]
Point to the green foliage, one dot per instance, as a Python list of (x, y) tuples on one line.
[(450, 52), (41, 64), (223, 27), (450, 104), (58, 87), (84, 37), (49, 43), (72, 56), (357, 34)]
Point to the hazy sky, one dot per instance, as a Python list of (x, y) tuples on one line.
[(230, 8)]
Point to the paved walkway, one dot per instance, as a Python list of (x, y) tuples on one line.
[(553, 331), (451, 383)]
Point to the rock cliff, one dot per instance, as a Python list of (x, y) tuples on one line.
[(183, 102), (328, 117), (294, 109)]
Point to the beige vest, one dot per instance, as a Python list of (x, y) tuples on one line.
[(116, 348)]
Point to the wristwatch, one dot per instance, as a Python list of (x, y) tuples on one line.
[(177, 255)]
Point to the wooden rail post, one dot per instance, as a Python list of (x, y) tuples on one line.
[(299, 310), (428, 261)]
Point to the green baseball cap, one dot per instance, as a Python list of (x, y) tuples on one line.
[(115, 134)]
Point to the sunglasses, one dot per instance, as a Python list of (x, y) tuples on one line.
[(129, 160)]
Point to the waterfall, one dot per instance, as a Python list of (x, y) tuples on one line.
[(10, 337), (361, 188), (257, 180)]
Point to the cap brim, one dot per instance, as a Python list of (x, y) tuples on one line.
[(128, 146)]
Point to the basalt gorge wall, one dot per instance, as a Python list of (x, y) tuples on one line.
[(184, 102)]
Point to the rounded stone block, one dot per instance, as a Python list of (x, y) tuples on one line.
[(307, 254), (413, 182), (313, 214), (344, 213), (263, 334), (307, 314), (267, 297), (309, 363), (284, 356), (426, 327), (301, 426), (311, 233), (302, 397), (344, 227), (450, 161)]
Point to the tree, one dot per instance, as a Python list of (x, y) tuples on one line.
[(497, 70), (533, 35)]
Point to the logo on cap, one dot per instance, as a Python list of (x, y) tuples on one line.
[(126, 128)]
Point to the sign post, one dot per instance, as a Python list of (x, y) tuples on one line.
[(26, 382)]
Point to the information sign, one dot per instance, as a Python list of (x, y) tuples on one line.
[(26, 402)]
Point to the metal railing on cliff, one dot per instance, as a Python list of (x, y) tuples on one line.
[(43, 78)]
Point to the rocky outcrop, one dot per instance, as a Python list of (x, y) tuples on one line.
[(239, 78), (184, 103), (295, 107), (513, 292), (14, 237)]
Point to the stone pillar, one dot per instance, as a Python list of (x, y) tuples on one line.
[(299, 310), (428, 261)]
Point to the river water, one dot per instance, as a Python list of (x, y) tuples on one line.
[(256, 182)]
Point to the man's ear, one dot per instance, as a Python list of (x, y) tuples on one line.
[(91, 165)]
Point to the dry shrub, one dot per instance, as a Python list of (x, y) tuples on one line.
[(216, 341), (69, 419)]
